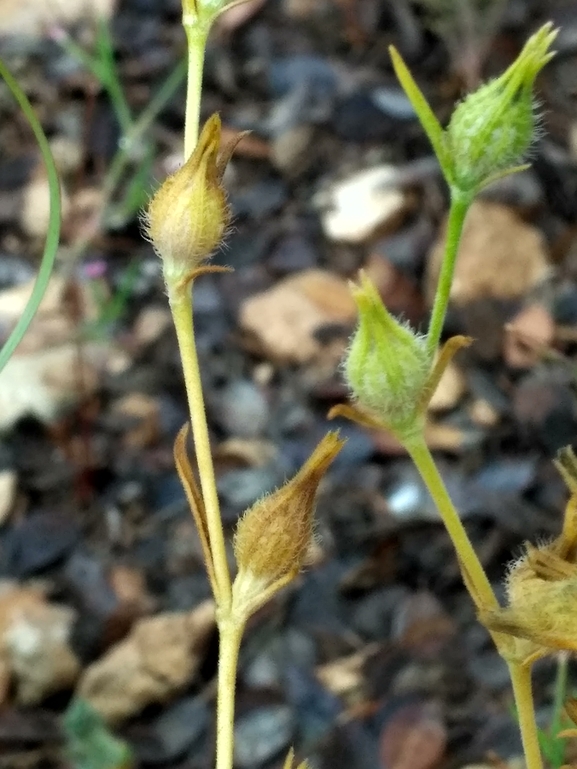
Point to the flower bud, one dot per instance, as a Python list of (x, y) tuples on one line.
[(188, 216), (387, 365), (542, 586), (273, 537), (492, 129)]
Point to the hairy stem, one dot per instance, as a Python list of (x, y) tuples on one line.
[(523, 691), (482, 592), (460, 204), (196, 35), (231, 632), (181, 307)]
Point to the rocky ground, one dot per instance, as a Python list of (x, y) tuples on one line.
[(373, 658)]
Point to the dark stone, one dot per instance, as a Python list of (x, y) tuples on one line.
[(38, 542)]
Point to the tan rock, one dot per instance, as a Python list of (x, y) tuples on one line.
[(159, 658), (35, 211), (369, 200), (500, 257), (34, 643), (54, 323), (246, 452), (68, 154), (7, 493), (291, 150), (141, 415), (43, 383), (129, 586), (483, 414), (444, 437), (345, 676), (151, 323), (83, 214), (34, 17), (282, 321), (528, 335), (400, 295)]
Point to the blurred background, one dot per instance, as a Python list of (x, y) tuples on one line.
[(373, 658)]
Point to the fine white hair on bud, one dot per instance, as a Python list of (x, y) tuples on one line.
[(387, 364), (492, 129)]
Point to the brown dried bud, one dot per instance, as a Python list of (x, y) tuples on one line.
[(273, 537), (188, 216), (542, 587)]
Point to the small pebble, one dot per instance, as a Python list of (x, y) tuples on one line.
[(354, 208), (242, 409), (261, 734)]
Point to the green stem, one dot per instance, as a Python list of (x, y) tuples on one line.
[(230, 637), (460, 204), (523, 691), (196, 35), (54, 220), (481, 590), (180, 300), (560, 691)]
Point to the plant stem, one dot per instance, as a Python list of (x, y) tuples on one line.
[(483, 596), (196, 35), (560, 691), (181, 307), (481, 592), (460, 203), (523, 691), (230, 637)]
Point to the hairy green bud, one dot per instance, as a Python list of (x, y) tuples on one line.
[(492, 129), (387, 365)]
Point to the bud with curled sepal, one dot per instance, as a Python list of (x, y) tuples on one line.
[(542, 586), (273, 537), (188, 216), (492, 129), (387, 366)]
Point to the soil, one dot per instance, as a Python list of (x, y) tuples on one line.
[(373, 658)]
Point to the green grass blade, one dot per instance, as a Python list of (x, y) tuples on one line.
[(53, 235), (110, 78)]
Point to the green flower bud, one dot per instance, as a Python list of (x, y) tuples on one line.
[(492, 129), (387, 365)]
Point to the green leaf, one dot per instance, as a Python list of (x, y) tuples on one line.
[(54, 220), (432, 127), (89, 742)]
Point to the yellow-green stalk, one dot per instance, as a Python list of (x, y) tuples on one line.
[(390, 370)]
